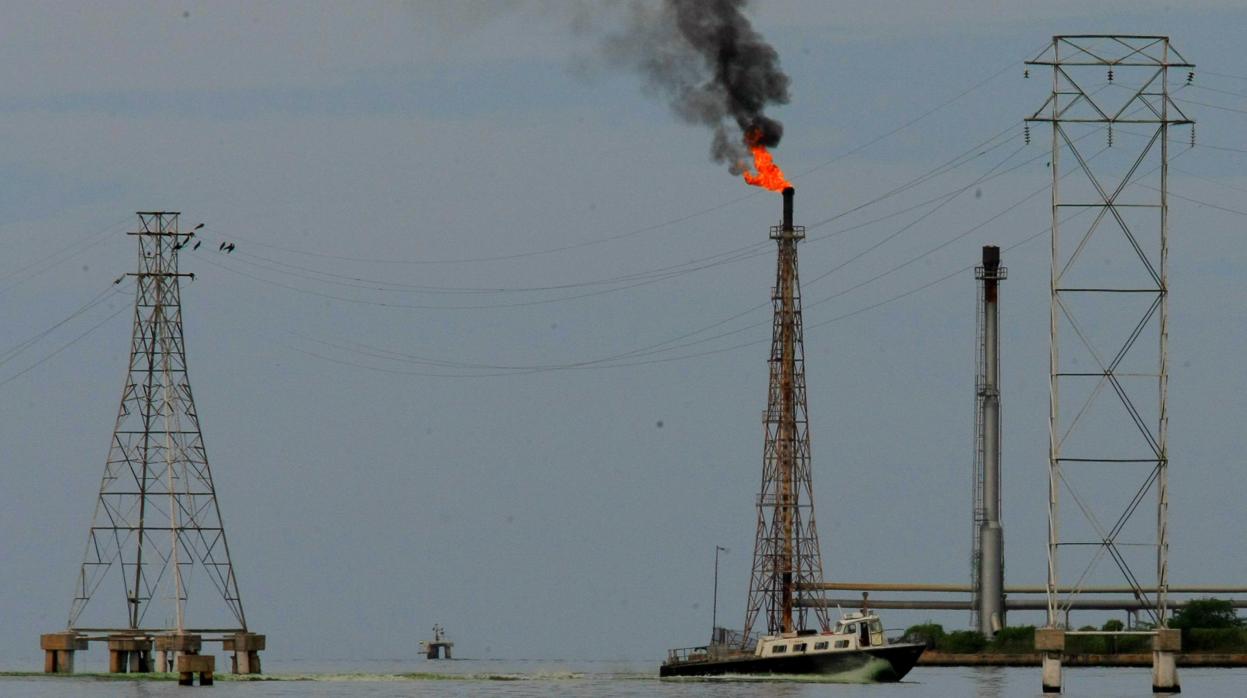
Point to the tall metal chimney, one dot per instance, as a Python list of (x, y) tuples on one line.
[(788, 193), (989, 536)]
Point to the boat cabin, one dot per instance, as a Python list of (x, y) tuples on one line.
[(852, 632)]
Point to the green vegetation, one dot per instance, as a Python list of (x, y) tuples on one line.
[(1207, 625), (1206, 613), (934, 637), (930, 634), (1013, 640), (1210, 625), (963, 642)]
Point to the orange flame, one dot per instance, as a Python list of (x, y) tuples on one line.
[(769, 175)]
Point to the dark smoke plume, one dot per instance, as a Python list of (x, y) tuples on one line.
[(707, 59)]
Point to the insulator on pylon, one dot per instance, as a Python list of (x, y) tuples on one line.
[(1110, 74), (1190, 76), (1110, 135), (1026, 73), (1192, 135), (1026, 133)]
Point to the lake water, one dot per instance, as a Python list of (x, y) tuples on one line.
[(510, 678)]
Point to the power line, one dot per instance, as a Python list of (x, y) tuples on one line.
[(17, 349), (1232, 93), (649, 228), (1211, 106), (611, 362), (1222, 75), (638, 279), (914, 120), (34, 268), (62, 348)]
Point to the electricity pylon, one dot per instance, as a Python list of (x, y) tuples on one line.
[(157, 519)]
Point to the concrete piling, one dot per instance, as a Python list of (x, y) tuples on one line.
[(129, 654), (245, 649), (1165, 646), (190, 664), (1051, 643), (58, 651)]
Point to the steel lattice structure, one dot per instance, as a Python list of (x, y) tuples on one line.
[(1109, 312), (157, 518), (786, 558)]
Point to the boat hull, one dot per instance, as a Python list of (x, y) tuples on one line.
[(876, 664)]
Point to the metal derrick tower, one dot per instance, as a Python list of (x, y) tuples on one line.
[(157, 518), (1109, 313), (787, 564)]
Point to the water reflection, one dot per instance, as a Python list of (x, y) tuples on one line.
[(989, 682)]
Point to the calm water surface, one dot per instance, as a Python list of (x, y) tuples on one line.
[(510, 678)]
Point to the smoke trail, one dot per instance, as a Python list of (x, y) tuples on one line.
[(705, 57)]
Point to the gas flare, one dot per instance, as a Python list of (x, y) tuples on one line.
[(769, 175)]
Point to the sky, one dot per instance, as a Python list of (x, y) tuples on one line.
[(430, 199)]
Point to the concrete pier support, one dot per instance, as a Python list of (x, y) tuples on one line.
[(58, 651), (1165, 647), (190, 664), (129, 654), (1051, 643), (246, 648), (170, 647)]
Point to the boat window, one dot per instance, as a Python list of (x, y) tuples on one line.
[(779, 649), (850, 628), (820, 645), (799, 647), (841, 644)]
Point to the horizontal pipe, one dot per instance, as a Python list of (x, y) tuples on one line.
[(965, 588), (1010, 604)]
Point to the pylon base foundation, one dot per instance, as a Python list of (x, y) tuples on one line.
[(246, 648), (58, 651), (190, 664)]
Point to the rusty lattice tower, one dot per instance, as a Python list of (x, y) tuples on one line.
[(786, 560), (156, 520)]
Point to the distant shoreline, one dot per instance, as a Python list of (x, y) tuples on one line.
[(1132, 659)]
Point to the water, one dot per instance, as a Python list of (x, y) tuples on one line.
[(581, 679)]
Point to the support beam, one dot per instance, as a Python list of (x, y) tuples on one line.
[(1080, 604), (935, 587)]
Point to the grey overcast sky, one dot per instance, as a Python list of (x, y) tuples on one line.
[(377, 475)]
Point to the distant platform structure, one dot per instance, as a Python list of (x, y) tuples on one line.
[(439, 647)]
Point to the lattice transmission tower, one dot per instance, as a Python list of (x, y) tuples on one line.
[(787, 563), (157, 521), (1110, 110)]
